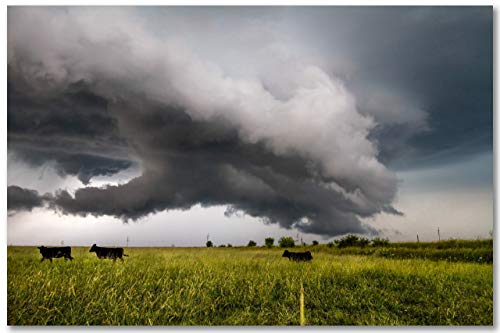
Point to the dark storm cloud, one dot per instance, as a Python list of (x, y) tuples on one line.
[(192, 162), (19, 199), (254, 128), (83, 166), (71, 128)]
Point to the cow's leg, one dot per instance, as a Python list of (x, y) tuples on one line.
[(43, 258), (50, 259), (121, 258)]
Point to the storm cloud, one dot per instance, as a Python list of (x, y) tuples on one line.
[(19, 199), (70, 128), (259, 126)]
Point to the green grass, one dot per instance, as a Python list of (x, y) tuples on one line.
[(240, 286), (480, 251)]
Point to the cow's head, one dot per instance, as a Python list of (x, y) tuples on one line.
[(92, 249), (41, 248), (286, 254)]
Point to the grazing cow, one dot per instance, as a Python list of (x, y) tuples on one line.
[(108, 252), (55, 252), (297, 256)]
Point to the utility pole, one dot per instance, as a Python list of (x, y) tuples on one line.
[(208, 236), (439, 236), (127, 240), (418, 240)]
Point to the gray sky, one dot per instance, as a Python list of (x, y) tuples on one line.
[(168, 124)]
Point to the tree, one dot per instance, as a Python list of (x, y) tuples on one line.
[(210, 244), (349, 240), (251, 243), (352, 240), (222, 245), (363, 242), (269, 241), (286, 242), (229, 245), (315, 242), (330, 244), (380, 241)]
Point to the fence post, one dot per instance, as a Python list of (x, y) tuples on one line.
[(302, 314)]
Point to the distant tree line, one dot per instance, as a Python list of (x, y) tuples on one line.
[(346, 241)]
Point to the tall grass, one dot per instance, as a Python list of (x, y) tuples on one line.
[(241, 286), (480, 251)]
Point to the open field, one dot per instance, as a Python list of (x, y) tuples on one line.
[(480, 251), (248, 286)]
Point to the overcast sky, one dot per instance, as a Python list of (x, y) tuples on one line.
[(166, 124)]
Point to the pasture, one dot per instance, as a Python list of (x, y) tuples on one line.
[(247, 286)]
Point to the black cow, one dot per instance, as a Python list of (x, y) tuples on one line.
[(108, 252), (55, 252), (298, 256)]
